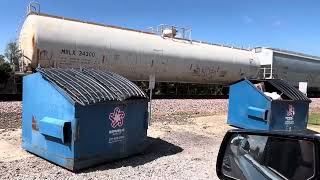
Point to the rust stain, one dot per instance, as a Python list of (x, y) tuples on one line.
[(35, 53), (222, 73), (69, 164), (45, 55), (38, 56), (103, 59), (34, 124), (116, 57), (33, 42), (241, 73)]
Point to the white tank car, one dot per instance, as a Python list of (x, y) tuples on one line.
[(53, 41)]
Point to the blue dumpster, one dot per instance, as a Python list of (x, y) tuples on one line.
[(267, 105), (79, 118)]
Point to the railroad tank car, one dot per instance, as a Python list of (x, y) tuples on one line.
[(52, 41)]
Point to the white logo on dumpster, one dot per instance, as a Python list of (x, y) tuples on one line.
[(290, 111), (289, 118), (117, 117)]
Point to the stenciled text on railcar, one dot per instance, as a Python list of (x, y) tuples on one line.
[(72, 52)]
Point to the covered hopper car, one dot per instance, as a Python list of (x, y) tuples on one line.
[(291, 66)]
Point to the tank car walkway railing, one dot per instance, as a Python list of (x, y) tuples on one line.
[(266, 72), (34, 8)]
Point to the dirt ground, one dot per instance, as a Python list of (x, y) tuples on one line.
[(10, 142), (184, 140), (314, 127), (176, 151)]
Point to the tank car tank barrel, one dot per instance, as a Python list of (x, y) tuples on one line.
[(53, 41)]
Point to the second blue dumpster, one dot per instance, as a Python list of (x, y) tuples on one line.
[(267, 105)]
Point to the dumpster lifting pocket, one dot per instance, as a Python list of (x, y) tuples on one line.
[(257, 113), (56, 128)]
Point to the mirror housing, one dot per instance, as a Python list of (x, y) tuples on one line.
[(245, 153)]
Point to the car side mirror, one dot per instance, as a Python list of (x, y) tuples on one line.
[(251, 155)]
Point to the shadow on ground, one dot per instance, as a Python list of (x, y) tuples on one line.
[(157, 148)]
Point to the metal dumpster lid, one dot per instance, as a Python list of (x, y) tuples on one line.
[(282, 85), (89, 86), (290, 91)]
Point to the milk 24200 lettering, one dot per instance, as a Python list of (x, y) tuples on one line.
[(72, 52)]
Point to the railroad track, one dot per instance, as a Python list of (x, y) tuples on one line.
[(10, 97)]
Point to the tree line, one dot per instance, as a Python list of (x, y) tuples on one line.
[(9, 61)]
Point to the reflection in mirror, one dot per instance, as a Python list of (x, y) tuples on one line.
[(268, 157)]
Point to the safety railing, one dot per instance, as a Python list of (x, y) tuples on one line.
[(33, 8), (267, 73), (176, 31)]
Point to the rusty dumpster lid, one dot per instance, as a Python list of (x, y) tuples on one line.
[(89, 86)]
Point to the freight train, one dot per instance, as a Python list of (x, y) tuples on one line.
[(141, 56)]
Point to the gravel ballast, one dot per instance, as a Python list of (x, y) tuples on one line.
[(10, 114), (164, 110)]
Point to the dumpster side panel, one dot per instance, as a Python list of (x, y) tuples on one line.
[(40, 101), (289, 115), (248, 107), (110, 131)]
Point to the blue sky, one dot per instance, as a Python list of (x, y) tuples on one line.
[(287, 24)]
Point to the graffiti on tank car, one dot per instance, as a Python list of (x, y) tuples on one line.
[(222, 73), (44, 55), (196, 70), (241, 73), (309, 78), (205, 71), (81, 53), (210, 71)]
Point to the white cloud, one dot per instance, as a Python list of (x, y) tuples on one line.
[(247, 19), (277, 23)]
